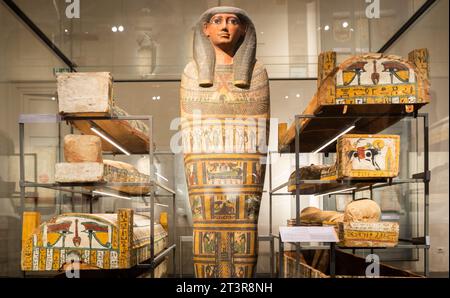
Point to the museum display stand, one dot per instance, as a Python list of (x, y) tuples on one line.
[(340, 186), (92, 191), (361, 97)]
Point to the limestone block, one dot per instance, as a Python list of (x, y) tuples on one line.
[(88, 92), (79, 172), (82, 148)]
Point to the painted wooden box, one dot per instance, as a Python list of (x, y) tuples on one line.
[(368, 234), (316, 264), (359, 157), (367, 156), (94, 241)]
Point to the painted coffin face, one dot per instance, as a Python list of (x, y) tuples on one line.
[(224, 30)]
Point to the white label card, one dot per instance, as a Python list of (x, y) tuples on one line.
[(308, 234)]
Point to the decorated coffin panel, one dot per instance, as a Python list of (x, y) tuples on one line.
[(370, 79), (373, 234), (243, 170), (368, 156), (77, 233), (105, 241), (84, 239)]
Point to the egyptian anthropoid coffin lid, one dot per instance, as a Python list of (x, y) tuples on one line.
[(244, 58)]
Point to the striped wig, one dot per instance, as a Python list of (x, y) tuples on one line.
[(244, 58)]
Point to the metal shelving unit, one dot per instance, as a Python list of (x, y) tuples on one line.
[(423, 177), (154, 185)]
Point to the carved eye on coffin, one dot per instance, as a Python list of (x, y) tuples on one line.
[(356, 69), (398, 70)]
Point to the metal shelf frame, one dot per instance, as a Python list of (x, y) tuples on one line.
[(423, 177), (154, 260)]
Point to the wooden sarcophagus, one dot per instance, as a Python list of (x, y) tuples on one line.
[(370, 92), (316, 264), (224, 102), (93, 241)]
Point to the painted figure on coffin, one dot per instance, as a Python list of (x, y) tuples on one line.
[(224, 100), (370, 153)]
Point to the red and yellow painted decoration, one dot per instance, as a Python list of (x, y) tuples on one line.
[(368, 156), (378, 79), (96, 241), (225, 133), (359, 156)]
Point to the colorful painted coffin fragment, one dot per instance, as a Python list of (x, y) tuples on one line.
[(368, 234), (378, 79), (225, 111), (368, 156), (375, 79), (359, 157), (94, 241), (370, 84)]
